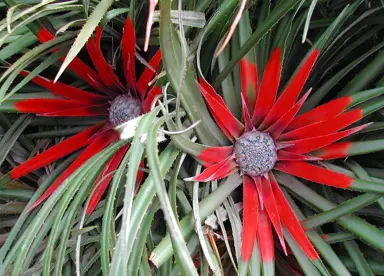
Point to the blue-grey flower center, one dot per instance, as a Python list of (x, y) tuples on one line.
[(124, 108), (255, 153)]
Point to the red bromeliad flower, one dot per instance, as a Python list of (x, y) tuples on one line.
[(272, 137), (119, 103)]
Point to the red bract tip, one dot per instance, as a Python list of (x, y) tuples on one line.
[(139, 176), (246, 115), (147, 103), (265, 238), (334, 151), (44, 35), (269, 201), (56, 152), (105, 178), (204, 85), (283, 155), (321, 113), (45, 105), (279, 126), (314, 173), (220, 170), (290, 221), (76, 65), (311, 144), (98, 144), (249, 83), (67, 91), (214, 155), (105, 71), (290, 94), (209, 89), (250, 217), (324, 127), (90, 110), (128, 45), (268, 88), (224, 117), (147, 75)]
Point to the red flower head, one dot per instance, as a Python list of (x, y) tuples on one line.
[(119, 103), (272, 137)]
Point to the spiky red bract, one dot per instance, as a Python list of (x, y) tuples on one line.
[(217, 106), (321, 113), (79, 67), (286, 155), (250, 217), (75, 102), (204, 86), (246, 115), (290, 221), (147, 75), (315, 173), (45, 105), (98, 144), (44, 35), (310, 144), (265, 238), (249, 83), (104, 70), (128, 45), (217, 171), (308, 137), (89, 110), (324, 127), (334, 151), (280, 125), (67, 91), (291, 93), (268, 88), (152, 94), (266, 193), (56, 152), (213, 155), (105, 178)]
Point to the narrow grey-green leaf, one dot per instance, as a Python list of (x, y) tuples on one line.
[(308, 19), (85, 33), (183, 258)]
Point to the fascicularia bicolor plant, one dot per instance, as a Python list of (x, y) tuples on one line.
[(118, 102), (271, 137)]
